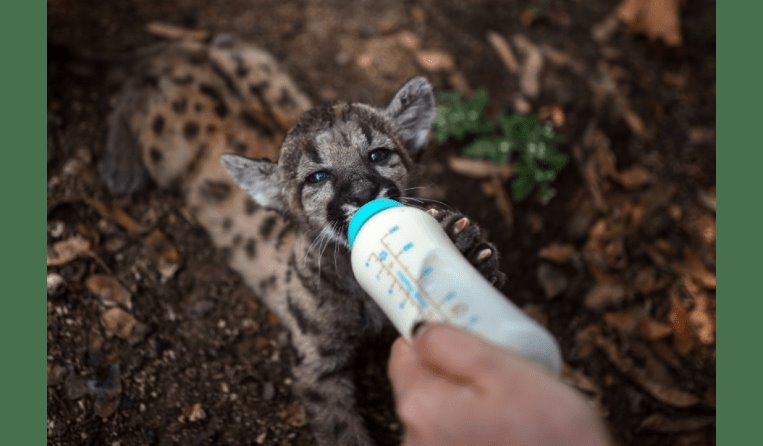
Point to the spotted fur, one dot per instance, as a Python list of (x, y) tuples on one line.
[(285, 227)]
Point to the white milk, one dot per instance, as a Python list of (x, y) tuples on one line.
[(405, 261)]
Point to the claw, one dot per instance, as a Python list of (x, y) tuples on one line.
[(484, 254), (460, 225), (433, 212)]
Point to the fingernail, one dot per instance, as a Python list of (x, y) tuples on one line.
[(418, 328)]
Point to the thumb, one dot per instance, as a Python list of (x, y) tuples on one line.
[(455, 353)]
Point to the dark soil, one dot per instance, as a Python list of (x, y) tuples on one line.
[(210, 343)]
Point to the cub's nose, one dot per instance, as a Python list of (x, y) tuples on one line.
[(360, 191)]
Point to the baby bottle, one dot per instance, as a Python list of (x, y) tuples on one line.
[(405, 261)]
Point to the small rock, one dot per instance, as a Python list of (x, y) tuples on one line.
[(56, 229), (268, 391), (552, 280), (75, 387), (196, 413), (200, 308), (56, 284)]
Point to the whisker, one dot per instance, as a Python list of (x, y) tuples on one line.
[(423, 201)]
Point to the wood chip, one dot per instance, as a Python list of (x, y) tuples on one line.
[(560, 253), (529, 80), (479, 169), (435, 60), (118, 322), (679, 320), (605, 294), (504, 51), (702, 314), (585, 341), (670, 424), (173, 32), (109, 291), (636, 322), (163, 254), (634, 177), (63, 252), (502, 201), (117, 215), (666, 393)]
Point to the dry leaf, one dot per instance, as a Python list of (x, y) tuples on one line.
[(560, 253), (163, 253), (582, 382), (696, 269), (435, 60), (552, 280), (657, 19), (173, 32), (585, 342), (664, 423), (679, 320), (701, 316), (636, 322), (554, 113), (605, 294), (529, 80), (501, 46), (109, 291), (502, 200), (634, 177), (118, 322), (667, 393), (63, 252), (117, 215), (479, 169)]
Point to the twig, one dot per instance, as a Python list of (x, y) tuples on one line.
[(501, 46)]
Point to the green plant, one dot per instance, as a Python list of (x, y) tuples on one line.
[(506, 138)]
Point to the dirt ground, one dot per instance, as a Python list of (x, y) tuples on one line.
[(619, 266)]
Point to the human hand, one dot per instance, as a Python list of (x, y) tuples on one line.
[(453, 388)]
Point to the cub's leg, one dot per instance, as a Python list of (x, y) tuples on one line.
[(467, 237), (325, 384)]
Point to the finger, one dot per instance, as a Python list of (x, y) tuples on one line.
[(404, 367), (455, 353)]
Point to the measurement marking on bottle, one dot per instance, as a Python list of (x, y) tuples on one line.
[(409, 285)]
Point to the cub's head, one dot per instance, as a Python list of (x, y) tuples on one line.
[(339, 157)]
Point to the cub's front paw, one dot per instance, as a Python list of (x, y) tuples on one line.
[(467, 237)]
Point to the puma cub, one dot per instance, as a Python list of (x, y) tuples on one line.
[(206, 117)]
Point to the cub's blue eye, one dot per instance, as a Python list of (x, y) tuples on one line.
[(318, 177), (379, 155)]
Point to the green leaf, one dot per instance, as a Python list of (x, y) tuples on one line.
[(521, 137), (522, 183)]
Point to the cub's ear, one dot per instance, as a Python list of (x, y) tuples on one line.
[(413, 111), (259, 178)]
